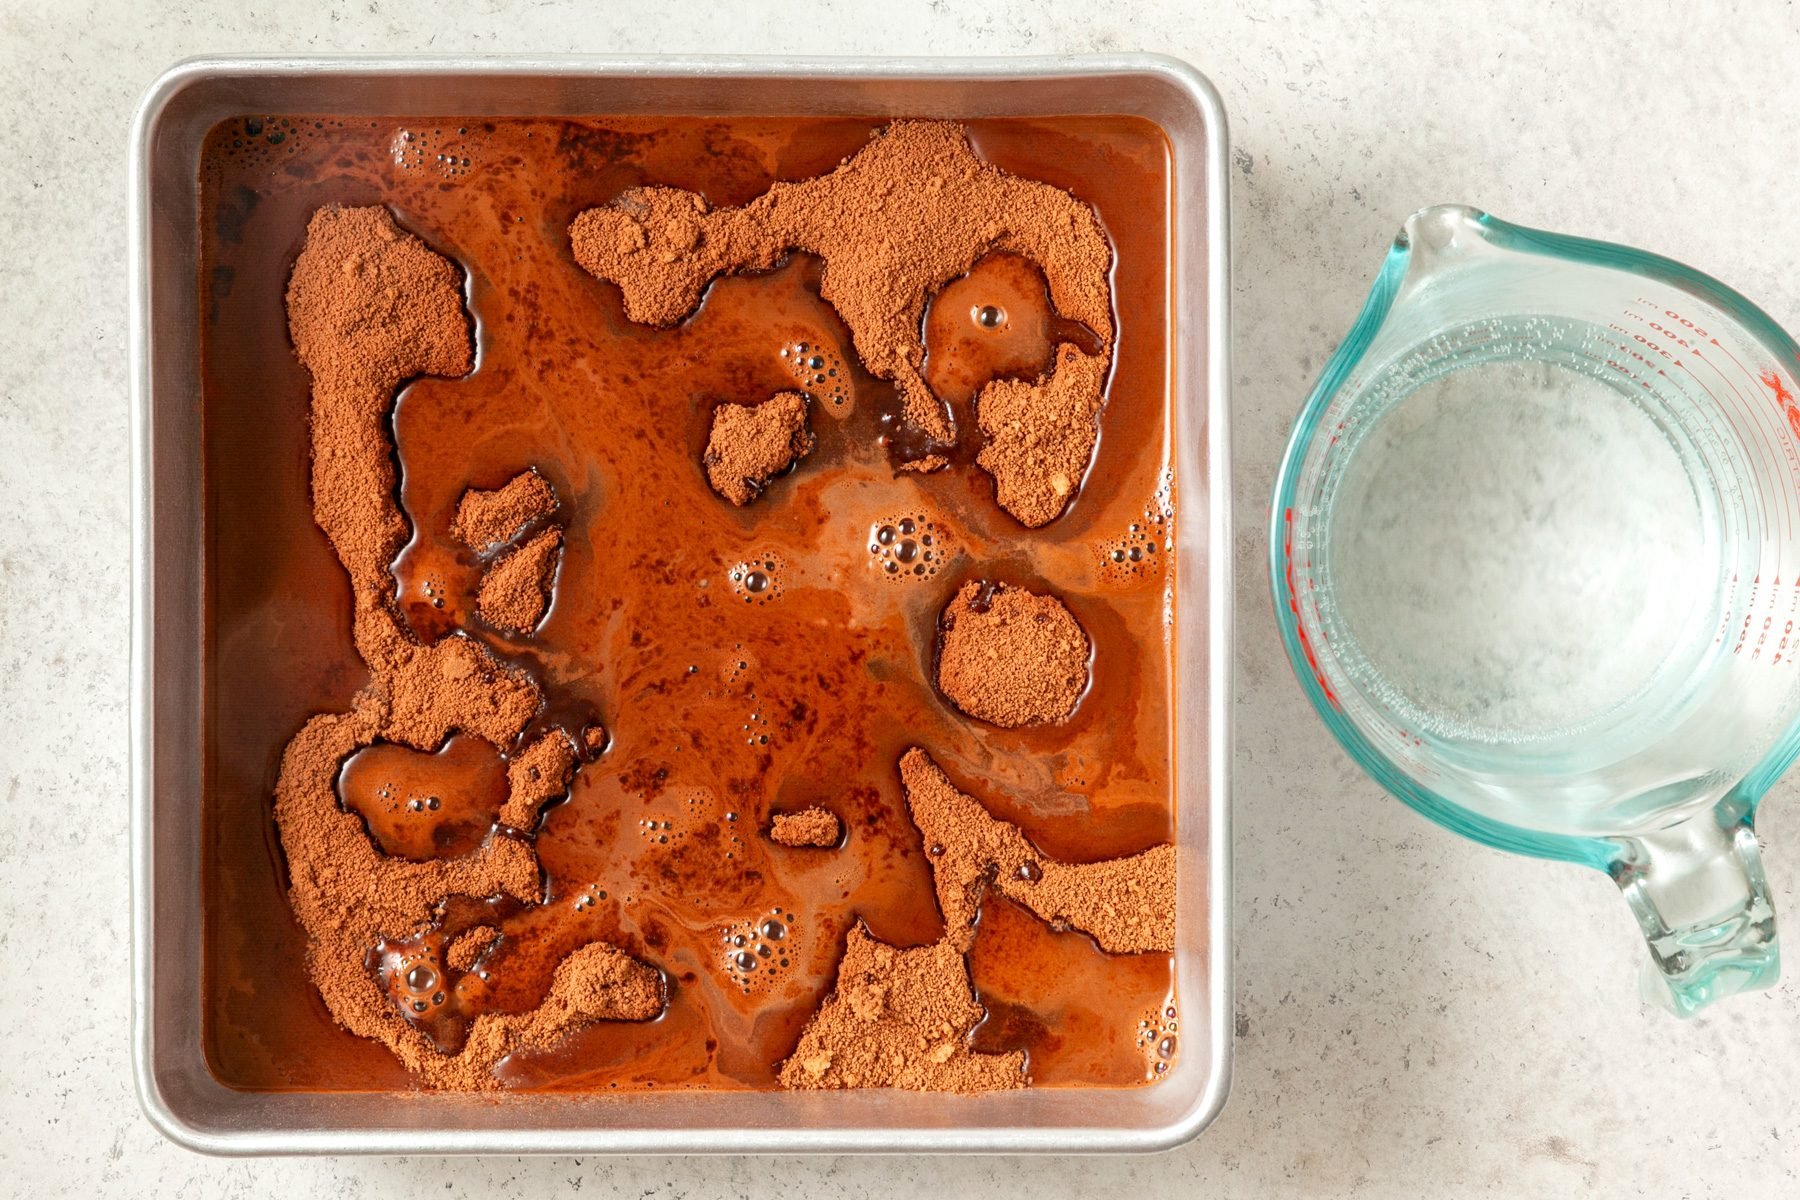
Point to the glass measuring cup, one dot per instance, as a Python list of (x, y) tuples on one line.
[(1535, 553)]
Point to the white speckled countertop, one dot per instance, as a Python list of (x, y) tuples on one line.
[(1415, 1014)]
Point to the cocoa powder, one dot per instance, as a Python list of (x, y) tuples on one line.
[(466, 948), (485, 519), (911, 211), (515, 592), (1011, 657), (1126, 904), (370, 306), (898, 1018), (750, 445), (817, 827), (1041, 435)]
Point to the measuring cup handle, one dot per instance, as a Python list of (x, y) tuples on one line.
[(1698, 892)]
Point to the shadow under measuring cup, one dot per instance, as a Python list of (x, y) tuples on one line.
[(1535, 552)]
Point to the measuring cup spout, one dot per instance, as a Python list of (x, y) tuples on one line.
[(1699, 895), (1441, 231)]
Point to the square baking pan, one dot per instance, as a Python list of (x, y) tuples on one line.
[(178, 1092)]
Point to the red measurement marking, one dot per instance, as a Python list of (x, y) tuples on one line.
[(1783, 397), (1306, 646), (1756, 416), (1784, 400)]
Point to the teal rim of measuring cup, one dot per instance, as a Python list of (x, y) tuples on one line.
[(1599, 853)]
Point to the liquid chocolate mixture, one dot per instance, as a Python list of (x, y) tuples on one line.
[(597, 674)]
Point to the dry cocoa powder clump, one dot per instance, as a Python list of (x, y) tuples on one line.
[(898, 1018), (515, 592), (1011, 657), (1040, 435), (485, 519), (905, 215), (751, 444), (595, 983), (926, 465), (536, 775), (1126, 904), (815, 826), (467, 947), (370, 306)]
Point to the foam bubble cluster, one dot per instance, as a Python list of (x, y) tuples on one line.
[(757, 579), (447, 152), (819, 370), (1158, 1037), (911, 547), (753, 952), (1138, 552)]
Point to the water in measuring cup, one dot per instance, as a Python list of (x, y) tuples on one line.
[(1517, 549)]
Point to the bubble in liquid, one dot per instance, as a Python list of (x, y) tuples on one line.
[(745, 960), (773, 930), (1029, 871), (1166, 1048), (906, 551), (885, 535), (756, 582), (421, 979), (990, 316)]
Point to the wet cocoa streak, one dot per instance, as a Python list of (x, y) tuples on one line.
[(681, 673)]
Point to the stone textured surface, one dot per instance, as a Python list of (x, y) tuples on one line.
[(1416, 1015)]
